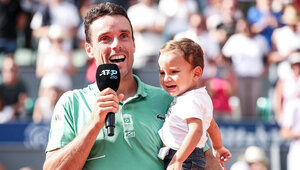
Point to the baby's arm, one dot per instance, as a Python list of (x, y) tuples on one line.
[(189, 144), (222, 153)]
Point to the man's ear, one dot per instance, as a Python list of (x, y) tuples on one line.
[(197, 72), (89, 50)]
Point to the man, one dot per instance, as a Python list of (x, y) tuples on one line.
[(77, 138)]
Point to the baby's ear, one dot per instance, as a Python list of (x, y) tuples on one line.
[(197, 72)]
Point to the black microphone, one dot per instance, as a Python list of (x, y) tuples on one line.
[(108, 75)]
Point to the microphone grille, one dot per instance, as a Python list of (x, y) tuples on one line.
[(108, 75)]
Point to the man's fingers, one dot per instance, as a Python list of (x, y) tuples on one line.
[(120, 97)]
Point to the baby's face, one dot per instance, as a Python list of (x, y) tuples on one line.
[(176, 74)]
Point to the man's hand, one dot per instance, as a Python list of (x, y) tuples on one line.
[(211, 161), (106, 101)]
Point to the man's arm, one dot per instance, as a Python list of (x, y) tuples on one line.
[(211, 161), (74, 155)]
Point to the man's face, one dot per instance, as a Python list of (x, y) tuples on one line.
[(112, 42)]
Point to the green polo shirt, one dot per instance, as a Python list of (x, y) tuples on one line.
[(136, 142)]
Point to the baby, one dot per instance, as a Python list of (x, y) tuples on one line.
[(190, 115)]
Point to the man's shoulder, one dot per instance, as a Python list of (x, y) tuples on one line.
[(154, 89), (157, 92), (75, 94)]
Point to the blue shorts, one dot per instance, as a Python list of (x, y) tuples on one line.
[(196, 160)]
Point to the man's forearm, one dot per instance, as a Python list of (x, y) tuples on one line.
[(211, 161), (73, 155)]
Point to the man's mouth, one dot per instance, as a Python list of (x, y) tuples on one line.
[(117, 59)]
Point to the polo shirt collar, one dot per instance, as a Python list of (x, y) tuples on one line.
[(141, 87)]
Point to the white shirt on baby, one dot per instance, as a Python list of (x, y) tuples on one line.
[(192, 104)]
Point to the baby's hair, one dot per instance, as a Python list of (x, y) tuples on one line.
[(192, 52)]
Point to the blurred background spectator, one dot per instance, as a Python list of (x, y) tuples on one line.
[(197, 32), (285, 40), (222, 89), (177, 13), (238, 55), (148, 35), (125, 3), (55, 68), (287, 109), (254, 158), (51, 88), (58, 12), (90, 62), (6, 112), (247, 52), (263, 19), (223, 14), (11, 16), (55, 59), (13, 88), (287, 89)]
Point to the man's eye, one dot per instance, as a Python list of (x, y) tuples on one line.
[(162, 73), (124, 36), (175, 71), (105, 39)]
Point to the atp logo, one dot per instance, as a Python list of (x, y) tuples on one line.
[(112, 73)]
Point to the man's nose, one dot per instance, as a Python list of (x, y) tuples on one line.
[(116, 43)]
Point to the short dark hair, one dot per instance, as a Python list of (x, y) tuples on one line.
[(100, 10), (192, 52)]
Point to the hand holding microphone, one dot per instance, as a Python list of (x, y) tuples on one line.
[(108, 76)]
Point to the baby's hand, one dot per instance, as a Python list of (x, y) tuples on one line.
[(175, 166), (223, 155)]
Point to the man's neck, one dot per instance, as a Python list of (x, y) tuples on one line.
[(128, 87)]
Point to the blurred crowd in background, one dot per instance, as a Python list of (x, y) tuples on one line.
[(247, 45), (252, 53)]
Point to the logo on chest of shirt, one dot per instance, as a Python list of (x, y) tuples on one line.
[(160, 117), (128, 126), (163, 117)]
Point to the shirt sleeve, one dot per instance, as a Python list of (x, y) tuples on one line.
[(191, 107), (62, 130)]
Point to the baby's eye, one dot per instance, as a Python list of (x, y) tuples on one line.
[(175, 71), (162, 73)]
